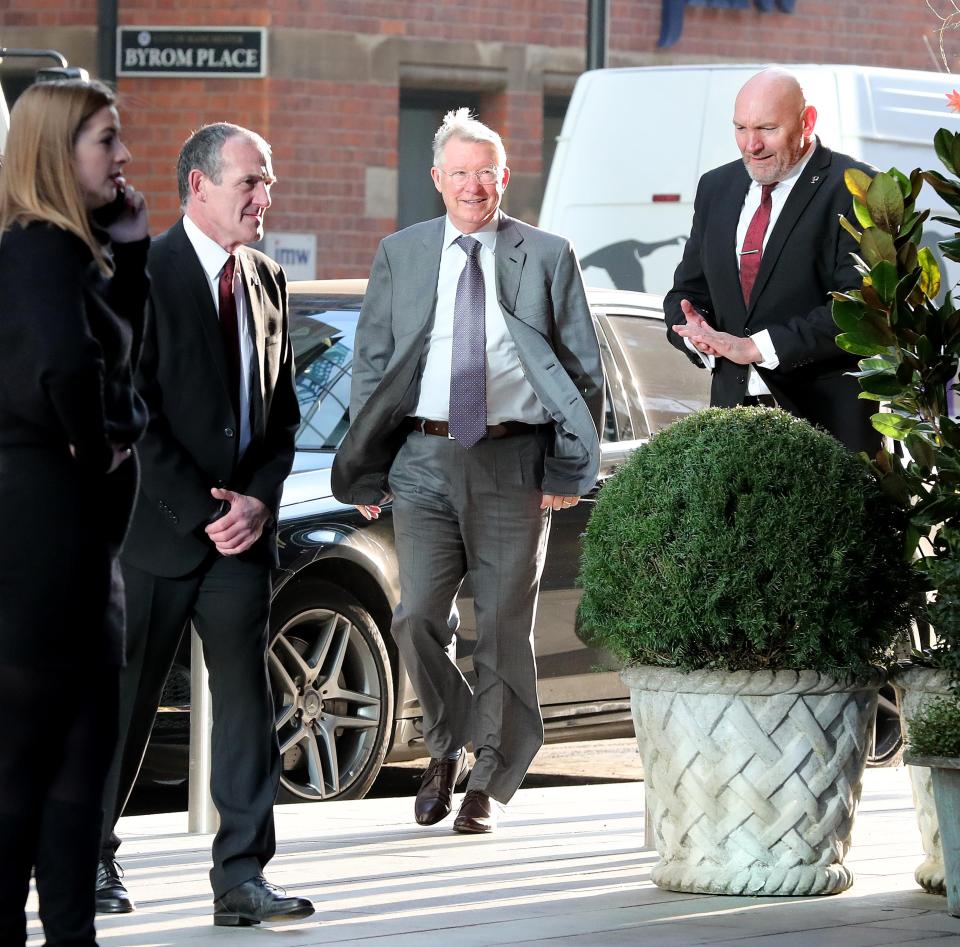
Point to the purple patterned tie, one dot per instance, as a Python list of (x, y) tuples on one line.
[(468, 366)]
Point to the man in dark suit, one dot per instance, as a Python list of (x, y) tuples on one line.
[(750, 298), (217, 376), (477, 396)]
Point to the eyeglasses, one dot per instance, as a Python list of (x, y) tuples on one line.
[(486, 176)]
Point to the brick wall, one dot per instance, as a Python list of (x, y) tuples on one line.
[(330, 105)]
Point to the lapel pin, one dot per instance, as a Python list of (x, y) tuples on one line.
[(814, 179)]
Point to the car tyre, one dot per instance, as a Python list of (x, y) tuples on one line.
[(333, 693), (887, 740)]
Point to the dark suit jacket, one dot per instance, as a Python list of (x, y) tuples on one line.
[(191, 441), (807, 255), (68, 339), (541, 293)]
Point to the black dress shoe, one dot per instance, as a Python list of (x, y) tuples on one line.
[(257, 900), (112, 897), (435, 795), (478, 814)]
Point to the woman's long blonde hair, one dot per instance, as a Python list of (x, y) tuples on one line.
[(38, 180)]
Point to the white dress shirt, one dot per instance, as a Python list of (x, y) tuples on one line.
[(778, 197), (510, 397), (212, 259)]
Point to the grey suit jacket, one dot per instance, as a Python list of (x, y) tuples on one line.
[(541, 293)]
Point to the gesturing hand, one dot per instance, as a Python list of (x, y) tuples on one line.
[(241, 526), (706, 339)]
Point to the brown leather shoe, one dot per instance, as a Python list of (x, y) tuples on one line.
[(478, 814), (435, 795)]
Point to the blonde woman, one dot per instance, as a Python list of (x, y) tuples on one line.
[(73, 246)]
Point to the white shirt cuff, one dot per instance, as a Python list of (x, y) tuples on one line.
[(768, 353), (708, 360)]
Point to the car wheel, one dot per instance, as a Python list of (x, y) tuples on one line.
[(887, 747), (333, 693)]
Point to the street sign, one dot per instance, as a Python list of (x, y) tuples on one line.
[(228, 52)]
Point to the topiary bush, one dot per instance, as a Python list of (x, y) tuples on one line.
[(935, 731), (741, 539)]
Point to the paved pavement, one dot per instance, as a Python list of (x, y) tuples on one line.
[(567, 867)]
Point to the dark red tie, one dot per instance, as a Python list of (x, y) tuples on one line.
[(753, 242), (230, 330)]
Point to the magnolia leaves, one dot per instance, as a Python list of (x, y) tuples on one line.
[(898, 275), (908, 343)]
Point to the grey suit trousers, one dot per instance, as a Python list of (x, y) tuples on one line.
[(473, 511)]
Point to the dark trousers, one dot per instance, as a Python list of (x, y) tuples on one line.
[(228, 600), (59, 732)]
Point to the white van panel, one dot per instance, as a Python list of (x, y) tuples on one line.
[(633, 133)]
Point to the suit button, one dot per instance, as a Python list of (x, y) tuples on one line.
[(741, 379), (228, 432), (746, 332)]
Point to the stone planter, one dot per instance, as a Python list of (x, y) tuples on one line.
[(916, 686), (752, 778), (945, 773)]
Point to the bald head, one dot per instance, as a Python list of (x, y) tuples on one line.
[(773, 124)]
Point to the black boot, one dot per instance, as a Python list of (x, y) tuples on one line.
[(112, 896)]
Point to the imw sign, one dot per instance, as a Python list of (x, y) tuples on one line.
[(214, 51), (295, 252)]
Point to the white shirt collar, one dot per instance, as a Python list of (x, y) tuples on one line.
[(487, 234), (793, 175), (210, 254)]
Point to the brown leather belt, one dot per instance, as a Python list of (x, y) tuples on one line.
[(504, 429)]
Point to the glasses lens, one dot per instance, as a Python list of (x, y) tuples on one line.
[(460, 178)]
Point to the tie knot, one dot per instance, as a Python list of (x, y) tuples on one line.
[(228, 269), (469, 245), (765, 190)]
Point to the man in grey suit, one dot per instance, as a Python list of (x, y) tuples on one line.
[(477, 396)]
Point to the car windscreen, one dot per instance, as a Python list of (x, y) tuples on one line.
[(322, 337)]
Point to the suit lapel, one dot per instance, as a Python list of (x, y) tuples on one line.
[(256, 325), (802, 192), (423, 278), (723, 222), (509, 263), (198, 298)]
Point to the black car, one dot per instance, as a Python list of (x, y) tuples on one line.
[(344, 705)]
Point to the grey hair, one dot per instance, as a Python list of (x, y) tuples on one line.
[(460, 123), (202, 151)]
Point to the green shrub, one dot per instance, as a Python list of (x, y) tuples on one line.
[(741, 539), (935, 731)]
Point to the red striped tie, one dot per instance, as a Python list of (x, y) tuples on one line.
[(753, 242)]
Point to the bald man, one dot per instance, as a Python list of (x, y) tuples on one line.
[(750, 299)]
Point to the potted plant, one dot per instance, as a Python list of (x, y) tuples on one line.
[(935, 744), (736, 565), (910, 343)]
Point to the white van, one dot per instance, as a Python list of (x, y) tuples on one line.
[(636, 141)]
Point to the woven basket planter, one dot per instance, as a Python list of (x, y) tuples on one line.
[(752, 778), (915, 687)]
